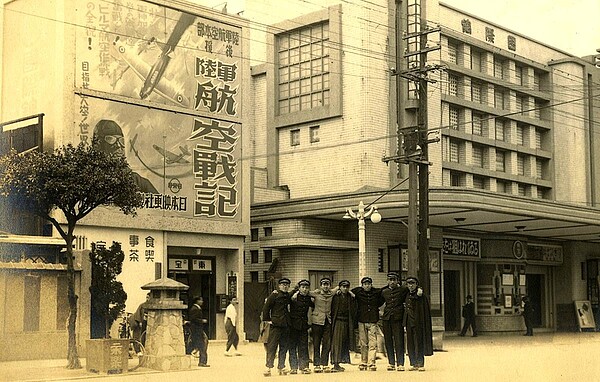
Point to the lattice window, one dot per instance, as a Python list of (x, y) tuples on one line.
[(477, 124), (500, 161)]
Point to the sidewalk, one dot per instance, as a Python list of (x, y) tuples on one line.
[(543, 357)]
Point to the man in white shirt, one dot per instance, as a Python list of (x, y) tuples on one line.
[(230, 327)]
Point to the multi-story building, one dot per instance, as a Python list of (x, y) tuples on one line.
[(162, 83), (513, 198)]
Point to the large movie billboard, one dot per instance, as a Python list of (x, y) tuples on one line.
[(137, 64)]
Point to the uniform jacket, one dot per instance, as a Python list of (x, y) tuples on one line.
[(336, 303), (469, 311), (195, 317), (418, 317), (299, 311), (394, 302), (368, 304), (276, 309)]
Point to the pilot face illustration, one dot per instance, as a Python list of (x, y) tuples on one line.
[(109, 138)]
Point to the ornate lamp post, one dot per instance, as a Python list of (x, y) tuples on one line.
[(360, 215)]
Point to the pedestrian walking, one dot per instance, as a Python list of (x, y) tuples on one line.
[(343, 315), (418, 325), (468, 313), (197, 322), (368, 301), (276, 314), (528, 316), (394, 296), (233, 338), (298, 344), (321, 325)]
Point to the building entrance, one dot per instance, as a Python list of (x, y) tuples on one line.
[(535, 291), (452, 321)]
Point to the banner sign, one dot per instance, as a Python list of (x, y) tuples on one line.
[(461, 247)]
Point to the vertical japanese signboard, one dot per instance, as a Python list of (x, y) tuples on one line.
[(163, 87)]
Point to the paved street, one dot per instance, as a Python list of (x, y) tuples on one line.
[(544, 357)]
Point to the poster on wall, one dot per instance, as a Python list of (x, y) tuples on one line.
[(585, 316), (186, 166), (149, 52)]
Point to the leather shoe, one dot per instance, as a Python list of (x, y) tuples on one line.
[(203, 365)]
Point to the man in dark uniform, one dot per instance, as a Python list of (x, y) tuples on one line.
[(276, 314), (298, 344), (528, 316), (197, 322), (418, 326), (368, 301), (468, 313), (343, 313), (394, 296)]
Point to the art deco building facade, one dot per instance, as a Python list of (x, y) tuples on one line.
[(513, 180)]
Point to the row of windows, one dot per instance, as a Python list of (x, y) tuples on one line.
[(459, 179), (313, 132), (480, 60), (480, 157), (268, 231), (479, 94), (501, 127), (254, 256)]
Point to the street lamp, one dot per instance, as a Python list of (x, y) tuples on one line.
[(360, 215)]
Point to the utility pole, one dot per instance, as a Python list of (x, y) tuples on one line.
[(415, 138)]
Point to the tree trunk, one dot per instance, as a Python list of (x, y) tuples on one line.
[(72, 354)]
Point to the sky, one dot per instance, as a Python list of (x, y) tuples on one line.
[(570, 25)]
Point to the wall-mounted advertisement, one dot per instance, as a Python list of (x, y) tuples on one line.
[(186, 166), (149, 52)]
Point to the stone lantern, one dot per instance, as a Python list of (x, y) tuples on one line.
[(165, 345)]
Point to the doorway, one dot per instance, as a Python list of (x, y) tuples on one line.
[(452, 320), (535, 291)]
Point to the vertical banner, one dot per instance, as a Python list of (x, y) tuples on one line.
[(144, 62)]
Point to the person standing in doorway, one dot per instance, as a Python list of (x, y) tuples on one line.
[(528, 316), (233, 338), (197, 322), (277, 315), (298, 346), (418, 325), (394, 296), (468, 313), (368, 301)]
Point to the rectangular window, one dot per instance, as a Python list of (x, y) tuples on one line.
[(536, 81), (268, 231), (519, 104), (477, 124), (537, 112), (314, 134), (477, 156), (499, 130), (455, 179), (522, 190), (538, 168), (452, 52), (519, 75), (498, 98), (500, 161), (303, 68), (520, 135), (475, 60), (452, 85), (520, 165), (268, 255), (31, 305), (295, 137), (538, 139), (501, 186), (254, 277), (476, 92), (498, 68), (453, 117), (254, 256), (479, 182), (254, 234), (454, 151)]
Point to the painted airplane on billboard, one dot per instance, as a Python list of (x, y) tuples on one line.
[(152, 75), (171, 157)]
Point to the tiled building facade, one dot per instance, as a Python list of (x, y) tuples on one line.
[(513, 185)]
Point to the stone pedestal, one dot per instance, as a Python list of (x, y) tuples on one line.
[(165, 345)]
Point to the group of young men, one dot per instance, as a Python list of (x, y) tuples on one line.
[(334, 316)]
